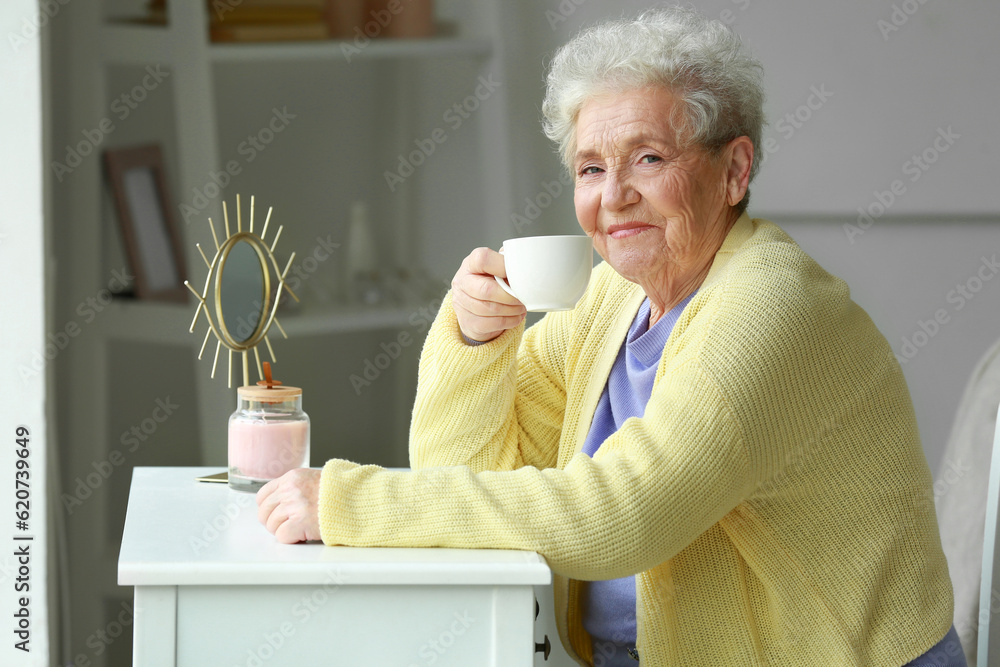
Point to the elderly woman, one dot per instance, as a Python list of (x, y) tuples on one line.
[(715, 450)]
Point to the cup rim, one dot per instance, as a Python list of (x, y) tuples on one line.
[(549, 236)]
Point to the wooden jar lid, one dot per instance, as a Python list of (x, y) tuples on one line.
[(268, 390), (275, 394)]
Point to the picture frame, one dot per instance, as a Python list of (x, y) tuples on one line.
[(139, 186)]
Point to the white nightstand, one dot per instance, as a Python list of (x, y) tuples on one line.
[(214, 588)]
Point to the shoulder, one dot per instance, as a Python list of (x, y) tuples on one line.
[(771, 311), (767, 254), (767, 276)]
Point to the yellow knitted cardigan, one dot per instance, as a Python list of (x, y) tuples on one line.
[(774, 501)]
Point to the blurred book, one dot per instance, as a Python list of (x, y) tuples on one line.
[(267, 32), (274, 14), (256, 20), (219, 5), (291, 20), (223, 6), (267, 20)]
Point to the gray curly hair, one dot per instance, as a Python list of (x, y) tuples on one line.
[(718, 83)]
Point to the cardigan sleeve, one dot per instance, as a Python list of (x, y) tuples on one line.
[(496, 406), (655, 486)]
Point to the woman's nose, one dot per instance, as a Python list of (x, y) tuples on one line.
[(618, 192)]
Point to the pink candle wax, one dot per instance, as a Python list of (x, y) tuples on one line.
[(268, 449)]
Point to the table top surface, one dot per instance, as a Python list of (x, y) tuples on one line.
[(179, 531)]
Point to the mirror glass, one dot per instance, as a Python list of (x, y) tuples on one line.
[(241, 291)]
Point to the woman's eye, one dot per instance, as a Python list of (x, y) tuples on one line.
[(650, 158), (586, 171)]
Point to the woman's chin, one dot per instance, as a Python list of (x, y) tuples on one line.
[(634, 261)]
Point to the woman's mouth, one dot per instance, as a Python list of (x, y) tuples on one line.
[(621, 230)]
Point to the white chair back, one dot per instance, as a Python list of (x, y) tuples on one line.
[(988, 653)]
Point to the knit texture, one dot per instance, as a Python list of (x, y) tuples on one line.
[(608, 607), (774, 500)]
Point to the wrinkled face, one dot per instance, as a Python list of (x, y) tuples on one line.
[(652, 208)]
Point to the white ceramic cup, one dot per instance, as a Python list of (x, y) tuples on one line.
[(547, 273)]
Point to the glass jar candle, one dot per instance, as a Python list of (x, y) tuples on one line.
[(268, 436)]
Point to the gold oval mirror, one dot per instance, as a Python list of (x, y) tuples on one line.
[(239, 285), (243, 290)]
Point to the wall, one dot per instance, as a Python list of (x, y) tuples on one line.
[(23, 408)]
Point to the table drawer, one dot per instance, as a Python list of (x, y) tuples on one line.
[(335, 624)]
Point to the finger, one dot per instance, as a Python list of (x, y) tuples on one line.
[(266, 507), (484, 289), (277, 517), (486, 325), (290, 532), (480, 307), (476, 307), (485, 261), (266, 490)]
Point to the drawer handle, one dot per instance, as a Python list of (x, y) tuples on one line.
[(544, 648)]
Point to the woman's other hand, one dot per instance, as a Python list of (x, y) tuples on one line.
[(484, 310), (288, 506)]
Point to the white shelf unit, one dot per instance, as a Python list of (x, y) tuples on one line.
[(199, 69), (160, 323), (335, 49), (213, 92)]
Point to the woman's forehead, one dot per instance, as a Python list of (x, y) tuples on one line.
[(622, 121)]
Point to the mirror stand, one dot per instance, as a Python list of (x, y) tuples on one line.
[(238, 291)]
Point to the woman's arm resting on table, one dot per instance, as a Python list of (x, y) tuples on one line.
[(652, 489)]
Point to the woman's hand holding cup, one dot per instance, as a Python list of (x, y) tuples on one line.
[(484, 310), (492, 291)]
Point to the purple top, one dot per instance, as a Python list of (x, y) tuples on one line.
[(609, 606)]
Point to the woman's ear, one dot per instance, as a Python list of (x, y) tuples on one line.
[(738, 157)]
